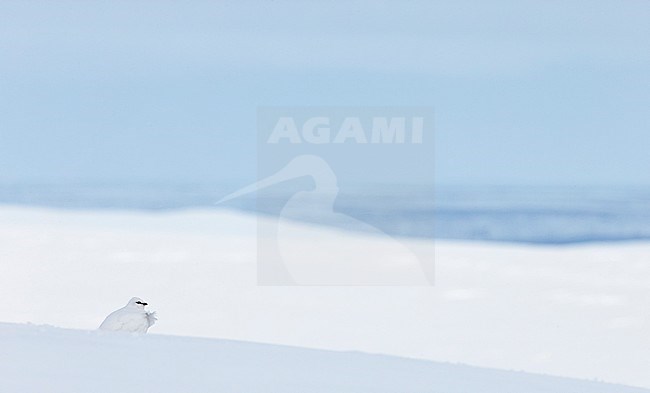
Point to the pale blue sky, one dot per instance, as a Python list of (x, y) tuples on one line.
[(544, 92)]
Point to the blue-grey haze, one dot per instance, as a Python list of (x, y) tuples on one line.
[(152, 104), (525, 92)]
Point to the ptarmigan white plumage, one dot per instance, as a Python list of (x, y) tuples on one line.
[(130, 318)]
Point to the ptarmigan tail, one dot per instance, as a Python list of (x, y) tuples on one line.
[(151, 318)]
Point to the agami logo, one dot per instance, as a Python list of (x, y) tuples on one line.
[(322, 130)]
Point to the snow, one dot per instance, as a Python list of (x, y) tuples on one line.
[(572, 311), (47, 359)]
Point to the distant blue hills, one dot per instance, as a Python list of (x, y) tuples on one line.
[(542, 215)]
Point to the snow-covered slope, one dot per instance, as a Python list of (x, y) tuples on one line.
[(53, 360), (573, 311)]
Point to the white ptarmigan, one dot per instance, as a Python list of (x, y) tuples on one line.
[(130, 318)]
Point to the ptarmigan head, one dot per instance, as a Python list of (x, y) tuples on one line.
[(136, 303)]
